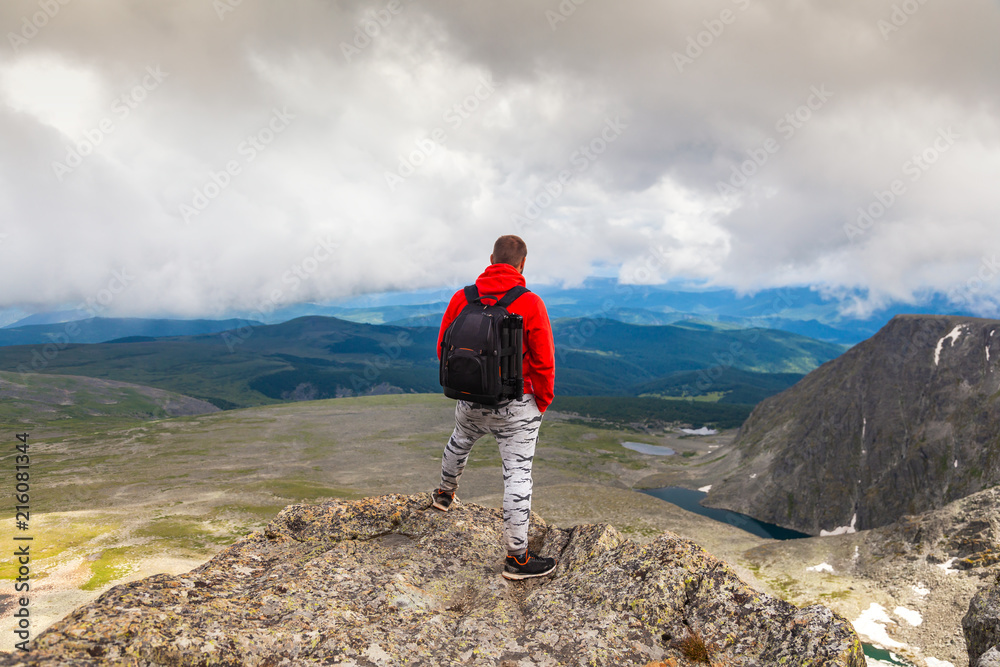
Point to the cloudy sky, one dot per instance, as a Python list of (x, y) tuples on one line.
[(200, 157)]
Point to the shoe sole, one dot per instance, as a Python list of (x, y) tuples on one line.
[(444, 508), (517, 576)]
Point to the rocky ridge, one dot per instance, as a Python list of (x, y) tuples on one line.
[(388, 581), (903, 423)]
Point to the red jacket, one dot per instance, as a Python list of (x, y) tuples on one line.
[(539, 349)]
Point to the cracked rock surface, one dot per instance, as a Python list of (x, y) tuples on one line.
[(389, 581)]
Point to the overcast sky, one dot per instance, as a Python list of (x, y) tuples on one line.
[(198, 158)]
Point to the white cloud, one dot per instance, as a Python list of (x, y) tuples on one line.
[(839, 110)]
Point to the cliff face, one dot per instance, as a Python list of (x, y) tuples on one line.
[(902, 423), (389, 581)]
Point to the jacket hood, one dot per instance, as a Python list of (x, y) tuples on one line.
[(498, 278)]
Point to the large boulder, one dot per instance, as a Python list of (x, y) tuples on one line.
[(981, 626), (389, 581)]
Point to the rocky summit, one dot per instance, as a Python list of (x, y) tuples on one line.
[(904, 422), (390, 581)]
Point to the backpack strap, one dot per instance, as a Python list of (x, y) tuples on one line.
[(472, 294), (512, 294)]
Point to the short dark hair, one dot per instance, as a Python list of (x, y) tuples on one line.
[(509, 249)]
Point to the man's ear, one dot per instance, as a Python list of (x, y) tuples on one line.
[(520, 268), (491, 259)]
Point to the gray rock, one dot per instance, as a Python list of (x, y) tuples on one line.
[(981, 624), (389, 581), (903, 423), (990, 659)]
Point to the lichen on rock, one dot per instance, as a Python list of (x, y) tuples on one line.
[(390, 581), (981, 624)]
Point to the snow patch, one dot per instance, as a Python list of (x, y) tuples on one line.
[(704, 430), (934, 662), (843, 530), (921, 590), (872, 624), (955, 333), (910, 616), (706, 489), (956, 463), (856, 556), (753, 476), (987, 353), (946, 566), (864, 425), (822, 567)]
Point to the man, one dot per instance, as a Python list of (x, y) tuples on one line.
[(514, 423)]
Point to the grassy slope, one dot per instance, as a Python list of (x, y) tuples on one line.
[(65, 403)]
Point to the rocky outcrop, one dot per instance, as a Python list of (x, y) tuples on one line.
[(902, 423), (964, 535), (981, 626), (389, 581)]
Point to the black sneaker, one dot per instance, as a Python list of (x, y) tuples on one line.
[(443, 499), (528, 565)]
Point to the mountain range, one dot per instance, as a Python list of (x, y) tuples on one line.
[(103, 329), (320, 357), (837, 318)]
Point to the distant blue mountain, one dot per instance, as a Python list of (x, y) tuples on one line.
[(105, 329), (55, 317), (799, 310)]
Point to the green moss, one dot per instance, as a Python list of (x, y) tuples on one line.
[(112, 565), (54, 535), (643, 530), (837, 595)]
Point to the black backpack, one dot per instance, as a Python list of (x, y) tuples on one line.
[(481, 351)]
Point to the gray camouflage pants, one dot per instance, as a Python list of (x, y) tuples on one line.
[(515, 426)]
